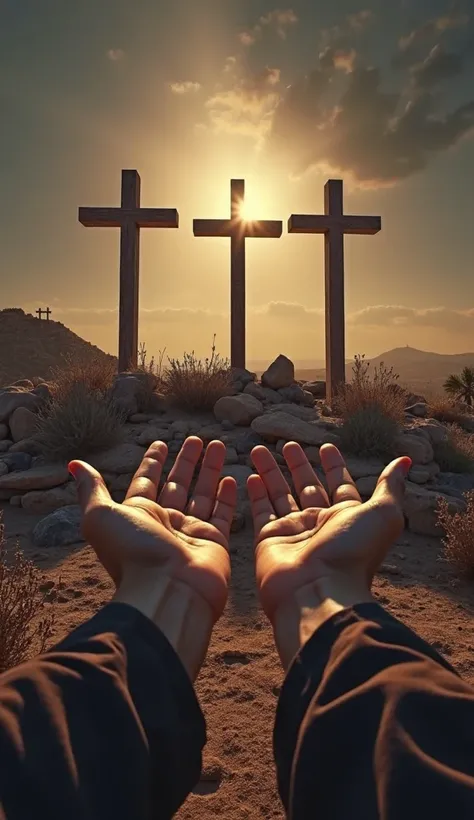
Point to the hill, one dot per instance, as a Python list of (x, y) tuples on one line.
[(30, 347)]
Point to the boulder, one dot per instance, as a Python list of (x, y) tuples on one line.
[(210, 432), (231, 456), (125, 392), (419, 409), (141, 418), (4, 432), (17, 461), (242, 375), (361, 467), (246, 441), (305, 413), (240, 409), (255, 390), (272, 396), (43, 391), (417, 447), (59, 529), (38, 478), (419, 507), (26, 384), (151, 434), (5, 445), (293, 393), (275, 425), (157, 403), (3, 468), (26, 445), (10, 401), (434, 431), (317, 389), (23, 424), (281, 373), (41, 502), (419, 475), (124, 458)]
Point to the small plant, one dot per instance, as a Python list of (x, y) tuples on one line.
[(78, 422), (459, 533), (372, 408), (150, 376), (195, 384), (449, 412), (26, 623), (95, 373), (461, 387), (456, 455)]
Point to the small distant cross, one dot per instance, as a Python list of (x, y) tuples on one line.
[(238, 230), (47, 313), (334, 224), (130, 217)]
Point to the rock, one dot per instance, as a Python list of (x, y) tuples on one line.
[(126, 392), (10, 401), (151, 434), (419, 475), (15, 500), (231, 456), (255, 390), (275, 425), (141, 418), (461, 481), (210, 432), (281, 373), (317, 389), (43, 391), (23, 424), (434, 431), (360, 467), (245, 442), (305, 413), (42, 502), (17, 461), (227, 425), (308, 398), (157, 403), (242, 375), (4, 432), (3, 468), (419, 409), (293, 393), (59, 529), (419, 507), (240, 410), (313, 456), (26, 445), (272, 396), (366, 485), (238, 522), (417, 447), (180, 428), (5, 445), (38, 478), (25, 383), (124, 458), (241, 474)]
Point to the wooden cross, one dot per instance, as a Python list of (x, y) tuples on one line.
[(238, 230), (47, 312), (130, 217), (334, 224)]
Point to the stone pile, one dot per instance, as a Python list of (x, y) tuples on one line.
[(271, 412)]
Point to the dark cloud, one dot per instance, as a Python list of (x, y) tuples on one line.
[(438, 66)]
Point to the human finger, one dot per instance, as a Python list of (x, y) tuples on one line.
[(277, 487), (262, 508), (391, 482), (91, 489), (311, 492), (341, 486), (203, 499), (174, 494), (146, 480), (224, 507)]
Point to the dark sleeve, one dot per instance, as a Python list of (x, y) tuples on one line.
[(105, 725), (373, 724)]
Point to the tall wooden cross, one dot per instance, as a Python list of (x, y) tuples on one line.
[(47, 312), (334, 224), (130, 217), (238, 229)]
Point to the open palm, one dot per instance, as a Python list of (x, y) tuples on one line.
[(328, 534), (187, 540)]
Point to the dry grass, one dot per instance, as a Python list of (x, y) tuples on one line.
[(26, 623), (195, 384), (77, 423), (449, 412), (93, 373), (456, 455), (372, 408), (459, 533)]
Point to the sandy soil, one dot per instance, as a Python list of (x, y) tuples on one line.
[(240, 681)]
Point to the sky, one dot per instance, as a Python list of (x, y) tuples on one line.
[(192, 94)]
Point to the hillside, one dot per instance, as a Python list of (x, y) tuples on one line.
[(30, 347)]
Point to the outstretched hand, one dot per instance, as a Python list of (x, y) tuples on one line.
[(185, 540), (330, 539)]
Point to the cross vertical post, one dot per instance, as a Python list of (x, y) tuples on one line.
[(48, 313)]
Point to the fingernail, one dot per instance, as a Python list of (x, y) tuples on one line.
[(406, 466), (71, 467)]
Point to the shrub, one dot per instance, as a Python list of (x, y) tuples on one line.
[(456, 455), (449, 412), (372, 408), (96, 373), (195, 384), (78, 422), (26, 624), (150, 375), (459, 533)]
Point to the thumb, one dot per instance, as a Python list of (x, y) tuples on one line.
[(91, 489), (391, 483)]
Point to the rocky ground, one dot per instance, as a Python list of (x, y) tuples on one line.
[(239, 684)]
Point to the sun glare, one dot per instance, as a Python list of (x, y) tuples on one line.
[(254, 207)]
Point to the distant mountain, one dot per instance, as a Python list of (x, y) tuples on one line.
[(30, 347)]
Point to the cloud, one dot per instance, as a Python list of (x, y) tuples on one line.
[(115, 54), (187, 87), (442, 318), (278, 20), (247, 104), (338, 58), (108, 316), (360, 20), (432, 28), (437, 67)]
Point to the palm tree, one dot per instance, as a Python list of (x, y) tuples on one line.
[(461, 387)]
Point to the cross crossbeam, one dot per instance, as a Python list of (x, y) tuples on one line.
[(334, 224), (238, 230)]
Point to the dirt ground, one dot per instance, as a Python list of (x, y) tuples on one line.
[(239, 684)]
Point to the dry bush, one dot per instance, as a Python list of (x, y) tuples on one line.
[(150, 376), (372, 408), (78, 422), (94, 373), (449, 412), (26, 623), (459, 533), (456, 455), (195, 384)]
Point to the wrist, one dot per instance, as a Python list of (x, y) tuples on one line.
[(175, 608), (296, 619)]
